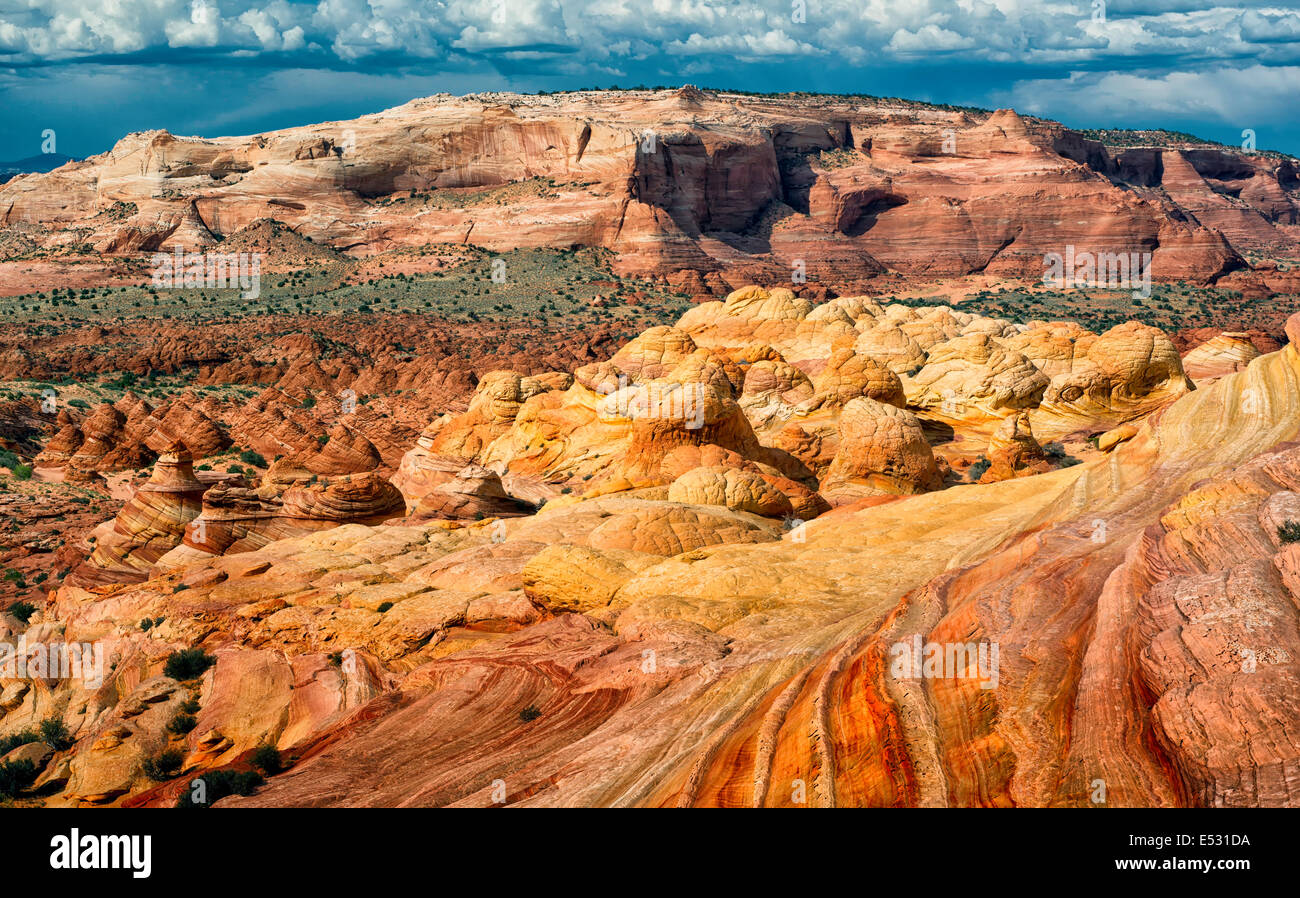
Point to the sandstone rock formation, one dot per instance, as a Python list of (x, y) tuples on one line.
[(739, 188), (1013, 451), (237, 518), (1138, 608), (1220, 355), (149, 525), (473, 494), (882, 449)]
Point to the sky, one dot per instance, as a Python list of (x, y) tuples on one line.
[(91, 71)]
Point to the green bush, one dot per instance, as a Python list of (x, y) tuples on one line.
[(15, 776), (219, 784), (531, 713), (165, 765), (182, 724), (249, 457), (1289, 532), (267, 759), (22, 472), (977, 470), (187, 664), (54, 732), (13, 740), (21, 610)]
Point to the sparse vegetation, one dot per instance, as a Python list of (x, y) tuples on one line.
[(249, 457), (21, 610), (1289, 532), (54, 733), (216, 785), (14, 740), (182, 723), (267, 759), (164, 765), (16, 776), (188, 664)]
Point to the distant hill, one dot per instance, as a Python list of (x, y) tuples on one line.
[(708, 190), (42, 163)]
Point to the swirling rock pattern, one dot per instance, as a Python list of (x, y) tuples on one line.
[(1127, 626)]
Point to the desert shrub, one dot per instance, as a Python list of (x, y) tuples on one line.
[(22, 472), (182, 724), (165, 765), (1289, 532), (186, 664), (14, 740), (220, 783), (532, 712), (54, 732), (981, 465), (21, 610), (15, 776), (249, 457), (267, 759)]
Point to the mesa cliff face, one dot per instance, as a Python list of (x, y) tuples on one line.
[(707, 189)]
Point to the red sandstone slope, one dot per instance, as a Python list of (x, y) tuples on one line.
[(1144, 607), (668, 635), (684, 183)]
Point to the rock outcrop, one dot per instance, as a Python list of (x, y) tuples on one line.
[(738, 535), (152, 523), (737, 188), (882, 450)]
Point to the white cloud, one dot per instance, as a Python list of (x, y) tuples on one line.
[(928, 38), (1249, 97), (1025, 31), (202, 30)]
